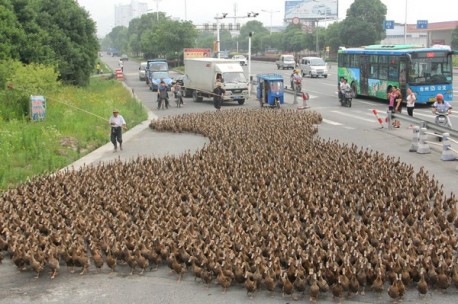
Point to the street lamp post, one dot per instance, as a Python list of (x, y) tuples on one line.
[(316, 34), (157, 9), (405, 25), (271, 12), (185, 11), (218, 18)]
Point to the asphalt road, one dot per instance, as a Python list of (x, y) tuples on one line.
[(349, 125)]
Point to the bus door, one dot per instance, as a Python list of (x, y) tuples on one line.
[(365, 72), (403, 76)]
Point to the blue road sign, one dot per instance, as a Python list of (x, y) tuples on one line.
[(422, 24), (388, 24)]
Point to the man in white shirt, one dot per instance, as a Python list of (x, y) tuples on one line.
[(117, 123)]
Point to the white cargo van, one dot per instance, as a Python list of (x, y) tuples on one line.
[(313, 67), (286, 62)]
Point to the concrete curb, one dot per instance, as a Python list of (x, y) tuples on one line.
[(97, 154)]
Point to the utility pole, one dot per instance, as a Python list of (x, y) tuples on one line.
[(185, 12), (271, 12), (157, 9), (224, 15), (405, 25)]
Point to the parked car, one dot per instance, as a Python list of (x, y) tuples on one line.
[(124, 57), (142, 70), (241, 58), (286, 62)]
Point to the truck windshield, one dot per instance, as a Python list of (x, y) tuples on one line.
[(234, 77), (157, 75), (158, 66)]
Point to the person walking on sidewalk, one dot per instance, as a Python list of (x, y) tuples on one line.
[(117, 123)]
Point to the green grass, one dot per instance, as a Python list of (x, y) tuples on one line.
[(76, 123)]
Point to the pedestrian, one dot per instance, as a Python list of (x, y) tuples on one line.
[(98, 68), (176, 89), (117, 123), (411, 98), (218, 95), (121, 65), (391, 96), (162, 95), (398, 99)]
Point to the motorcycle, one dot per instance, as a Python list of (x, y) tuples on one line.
[(442, 120), (346, 98)]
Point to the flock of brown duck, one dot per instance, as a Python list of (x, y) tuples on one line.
[(266, 205)]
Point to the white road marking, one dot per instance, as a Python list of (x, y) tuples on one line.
[(355, 116), (334, 123)]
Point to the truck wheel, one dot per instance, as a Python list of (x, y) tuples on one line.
[(187, 93), (241, 101), (196, 97)]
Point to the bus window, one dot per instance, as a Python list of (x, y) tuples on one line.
[(343, 60), (383, 72), (373, 71), (393, 68), (357, 60)]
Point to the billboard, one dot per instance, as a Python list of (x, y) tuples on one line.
[(196, 53), (311, 9), (37, 107)]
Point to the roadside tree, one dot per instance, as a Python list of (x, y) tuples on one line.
[(364, 23)]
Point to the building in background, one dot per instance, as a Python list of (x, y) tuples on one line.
[(435, 33), (124, 13)]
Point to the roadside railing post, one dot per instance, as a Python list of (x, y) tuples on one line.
[(415, 139), (388, 115), (447, 154), (423, 147)]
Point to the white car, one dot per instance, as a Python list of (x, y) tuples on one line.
[(241, 58), (142, 71)]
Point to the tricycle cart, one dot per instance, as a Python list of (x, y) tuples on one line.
[(270, 90)]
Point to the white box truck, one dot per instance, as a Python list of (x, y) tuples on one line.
[(201, 75)]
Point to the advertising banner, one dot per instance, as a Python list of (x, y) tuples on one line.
[(311, 9), (196, 53), (37, 108)]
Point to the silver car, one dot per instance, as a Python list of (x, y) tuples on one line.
[(142, 71)]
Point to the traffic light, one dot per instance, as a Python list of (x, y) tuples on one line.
[(238, 26), (230, 26), (214, 26), (222, 26), (206, 26)]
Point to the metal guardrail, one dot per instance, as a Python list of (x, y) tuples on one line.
[(425, 124)]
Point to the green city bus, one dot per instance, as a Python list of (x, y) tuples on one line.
[(373, 70)]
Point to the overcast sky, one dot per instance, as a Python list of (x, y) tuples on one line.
[(204, 11)]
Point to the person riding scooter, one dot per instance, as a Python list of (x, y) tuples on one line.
[(442, 108), (344, 92)]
